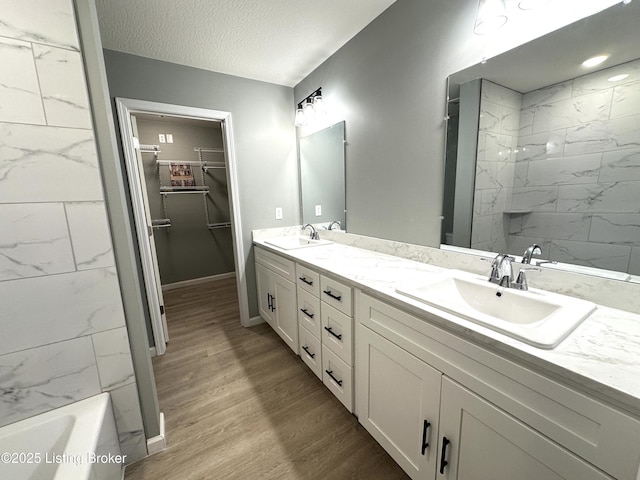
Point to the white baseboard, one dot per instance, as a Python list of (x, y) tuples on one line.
[(158, 443), (253, 321), (196, 281)]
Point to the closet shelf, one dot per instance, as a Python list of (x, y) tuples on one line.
[(155, 149), (161, 223), (173, 190), (213, 226), (208, 150)]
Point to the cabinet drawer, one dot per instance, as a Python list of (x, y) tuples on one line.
[(336, 294), (282, 266), (337, 333), (338, 377), (309, 312), (308, 280), (310, 351)]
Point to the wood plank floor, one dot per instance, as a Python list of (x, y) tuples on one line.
[(239, 404)]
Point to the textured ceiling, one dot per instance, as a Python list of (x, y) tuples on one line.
[(277, 41)]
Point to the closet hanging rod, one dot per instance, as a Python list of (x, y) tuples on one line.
[(211, 165), (208, 150)]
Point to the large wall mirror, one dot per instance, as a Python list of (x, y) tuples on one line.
[(322, 176), (542, 149)]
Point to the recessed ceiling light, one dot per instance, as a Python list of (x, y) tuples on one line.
[(626, 2), (593, 61), (617, 78)]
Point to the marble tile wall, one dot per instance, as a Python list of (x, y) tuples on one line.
[(495, 167), (578, 171), (63, 336)]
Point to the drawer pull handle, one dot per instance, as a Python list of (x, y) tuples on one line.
[(308, 282), (335, 297), (306, 349), (425, 429), (443, 462), (304, 310), (330, 373), (338, 336)]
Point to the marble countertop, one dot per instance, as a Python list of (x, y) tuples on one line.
[(601, 356)]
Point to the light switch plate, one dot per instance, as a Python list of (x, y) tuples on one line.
[(318, 210), (169, 137), (278, 213)]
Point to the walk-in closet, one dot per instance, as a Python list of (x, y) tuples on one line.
[(185, 178)]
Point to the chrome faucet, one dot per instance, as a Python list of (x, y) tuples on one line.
[(532, 250), (501, 270), (313, 235), (335, 222), (521, 281)]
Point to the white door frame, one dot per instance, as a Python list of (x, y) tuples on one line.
[(127, 107)]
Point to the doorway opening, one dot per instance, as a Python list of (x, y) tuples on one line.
[(183, 185)]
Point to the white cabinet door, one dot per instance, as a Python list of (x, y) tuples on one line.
[(284, 306), (265, 293), (478, 441), (398, 399)]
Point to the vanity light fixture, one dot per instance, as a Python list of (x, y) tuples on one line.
[(310, 109), (492, 14), (594, 61)]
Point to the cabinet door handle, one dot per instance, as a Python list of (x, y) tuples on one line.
[(306, 349), (338, 336), (330, 373), (269, 301), (273, 303), (304, 310), (330, 293), (425, 429), (443, 462), (308, 282)]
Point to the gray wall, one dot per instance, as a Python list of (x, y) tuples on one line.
[(263, 116), (389, 84), (188, 249)]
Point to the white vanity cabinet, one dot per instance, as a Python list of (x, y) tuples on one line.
[(277, 295), (325, 324), (489, 418), (479, 440), (399, 403)]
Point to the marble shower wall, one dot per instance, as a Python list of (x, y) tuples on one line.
[(578, 171), (63, 328), (497, 141)]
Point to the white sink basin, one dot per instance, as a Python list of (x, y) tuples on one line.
[(539, 318), (295, 241)]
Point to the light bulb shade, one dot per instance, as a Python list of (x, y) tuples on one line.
[(492, 14), (308, 108), (300, 118), (319, 106)]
